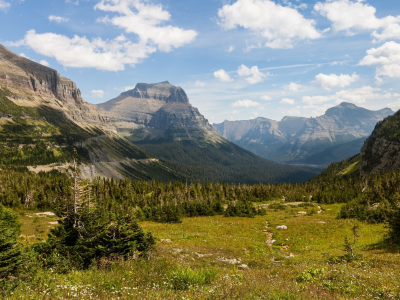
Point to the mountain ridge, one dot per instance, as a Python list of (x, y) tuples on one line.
[(341, 124)]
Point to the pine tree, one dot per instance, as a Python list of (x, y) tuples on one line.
[(10, 250)]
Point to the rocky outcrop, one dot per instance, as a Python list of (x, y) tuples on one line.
[(294, 139), (158, 111), (40, 85), (381, 151)]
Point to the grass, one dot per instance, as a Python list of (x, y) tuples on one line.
[(188, 262)]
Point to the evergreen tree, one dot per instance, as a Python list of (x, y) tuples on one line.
[(10, 250), (394, 227)]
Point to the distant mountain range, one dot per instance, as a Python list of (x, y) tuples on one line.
[(160, 119), (334, 136)]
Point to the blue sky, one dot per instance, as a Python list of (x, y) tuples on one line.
[(235, 59)]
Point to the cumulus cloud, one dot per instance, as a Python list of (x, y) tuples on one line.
[(145, 20), (245, 103), (358, 96), (254, 75), (354, 16), (331, 81), (281, 26), (287, 101), (134, 16), (97, 93), (293, 86), (4, 5), (386, 58), (230, 49), (222, 76), (266, 98), (44, 63), (58, 19), (80, 52), (200, 83), (23, 55)]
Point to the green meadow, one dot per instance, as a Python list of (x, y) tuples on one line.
[(221, 257)]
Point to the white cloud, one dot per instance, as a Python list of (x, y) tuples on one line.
[(135, 16), (330, 81), (58, 19), (358, 96), (266, 98), (4, 5), (79, 52), (230, 49), (281, 26), (235, 112), (72, 2), (97, 93), (287, 101), (222, 76), (128, 88), (354, 16), (44, 63), (145, 20), (394, 105), (23, 55), (293, 87), (200, 83), (245, 103), (254, 75), (386, 58)]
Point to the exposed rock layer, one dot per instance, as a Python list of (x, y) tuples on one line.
[(158, 111)]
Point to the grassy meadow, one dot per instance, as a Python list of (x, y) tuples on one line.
[(206, 258)]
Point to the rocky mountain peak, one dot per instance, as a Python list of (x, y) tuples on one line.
[(162, 91), (158, 111)]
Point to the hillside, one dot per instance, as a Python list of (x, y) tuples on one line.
[(381, 151), (160, 119), (43, 117), (296, 139)]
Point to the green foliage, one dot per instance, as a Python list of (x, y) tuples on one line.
[(184, 278), (311, 274), (394, 227), (225, 162), (11, 257), (97, 235)]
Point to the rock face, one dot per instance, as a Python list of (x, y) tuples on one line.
[(381, 151), (46, 87), (294, 139), (51, 110), (157, 111)]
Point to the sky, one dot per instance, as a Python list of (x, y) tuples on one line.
[(236, 59)]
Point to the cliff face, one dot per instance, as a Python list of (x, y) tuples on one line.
[(381, 151), (40, 107), (158, 111), (34, 84), (295, 139)]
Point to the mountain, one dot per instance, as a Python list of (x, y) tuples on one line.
[(43, 117), (299, 140), (160, 119), (381, 151)]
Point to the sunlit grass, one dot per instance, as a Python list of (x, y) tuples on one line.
[(188, 262)]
